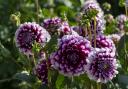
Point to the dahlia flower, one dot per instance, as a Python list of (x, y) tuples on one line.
[(41, 71), (100, 22), (115, 37), (92, 4), (121, 19), (100, 26), (101, 65), (29, 33), (52, 24), (70, 58), (104, 42), (65, 29)]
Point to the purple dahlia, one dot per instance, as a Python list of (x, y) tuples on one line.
[(115, 37), (70, 58), (104, 42), (76, 28), (65, 29), (101, 65), (100, 26), (100, 22), (41, 71), (29, 33), (121, 19), (79, 30), (41, 55), (52, 24), (92, 4)]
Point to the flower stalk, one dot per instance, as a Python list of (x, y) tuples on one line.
[(125, 47), (99, 86), (90, 33), (95, 32), (37, 10)]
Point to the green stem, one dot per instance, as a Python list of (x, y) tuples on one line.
[(126, 11), (51, 4), (33, 61), (90, 85), (89, 31), (37, 10), (18, 22), (99, 86), (72, 80), (95, 32), (125, 47), (85, 31), (49, 75)]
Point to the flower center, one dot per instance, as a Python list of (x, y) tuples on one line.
[(73, 58), (27, 37), (106, 66)]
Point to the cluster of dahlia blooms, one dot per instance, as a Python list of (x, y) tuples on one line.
[(57, 25), (76, 53)]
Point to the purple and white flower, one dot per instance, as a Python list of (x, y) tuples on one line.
[(99, 18), (70, 58), (65, 29), (115, 37), (101, 65), (92, 4), (121, 19), (104, 42), (29, 33), (100, 26), (41, 71), (52, 24)]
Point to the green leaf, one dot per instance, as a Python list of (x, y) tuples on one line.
[(51, 46), (122, 50), (4, 52), (59, 81), (123, 46), (123, 41)]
